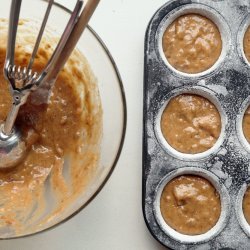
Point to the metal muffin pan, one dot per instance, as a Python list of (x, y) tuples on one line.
[(227, 85)]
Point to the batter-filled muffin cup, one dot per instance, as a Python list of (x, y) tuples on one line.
[(192, 43), (246, 124), (246, 44), (190, 123), (246, 205), (190, 205), (63, 137)]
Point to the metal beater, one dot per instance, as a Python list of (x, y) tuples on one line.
[(23, 81)]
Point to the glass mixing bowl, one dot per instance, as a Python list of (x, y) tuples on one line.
[(112, 98)]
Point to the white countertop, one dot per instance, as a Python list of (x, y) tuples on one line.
[(114, 220)]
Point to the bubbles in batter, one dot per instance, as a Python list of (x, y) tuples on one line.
[(246, 44), (192, 43), (190, 123), (190, 205), (246, 205)]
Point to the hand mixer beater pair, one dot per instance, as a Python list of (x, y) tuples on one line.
[(23, 81)]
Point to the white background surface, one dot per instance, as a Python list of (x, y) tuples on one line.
[(114, 220)]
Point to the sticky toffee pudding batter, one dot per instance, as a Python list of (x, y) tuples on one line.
[(246, 44), (190, 123), (246, 205), (246, 124), (190, 205), (192, 43), (66, 129)]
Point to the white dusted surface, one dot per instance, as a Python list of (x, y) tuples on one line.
[(114, 220)]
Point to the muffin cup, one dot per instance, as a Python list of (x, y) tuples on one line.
[(227, 85), (203, 92), (202, 10), (224, 198)]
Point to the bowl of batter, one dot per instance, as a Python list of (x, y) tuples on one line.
[(191, 205), (73, 145)]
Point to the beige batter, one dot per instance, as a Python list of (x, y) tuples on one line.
[(192, 43), (246, 124), (246, 44), (190, 123), (246, 205), (190, 205), (68, 127)]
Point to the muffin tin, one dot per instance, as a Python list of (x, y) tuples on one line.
[(227, 85)]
